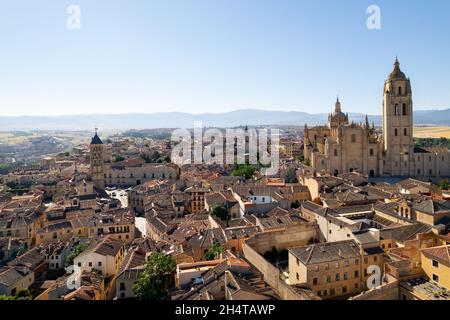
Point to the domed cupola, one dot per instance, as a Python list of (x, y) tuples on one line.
[(397, 74), (338, 117)]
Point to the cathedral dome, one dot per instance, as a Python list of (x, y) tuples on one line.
[(338, 115), (397, 74)]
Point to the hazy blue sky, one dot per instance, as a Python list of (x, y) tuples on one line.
[(214, 56)]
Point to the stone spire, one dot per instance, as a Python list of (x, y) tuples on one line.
[(337, 106)]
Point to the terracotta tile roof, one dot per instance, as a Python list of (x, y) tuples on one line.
[(441, 254)]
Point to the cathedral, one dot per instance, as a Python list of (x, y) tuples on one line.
[(342, 146)]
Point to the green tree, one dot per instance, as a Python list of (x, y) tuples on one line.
[(290, 176), (220, 212), (214, 251), (154, 282), (244, 170), (443, 185), (24, 295), (74, 253), (11, 185), (119, 159), (4, 168), (21, 295)]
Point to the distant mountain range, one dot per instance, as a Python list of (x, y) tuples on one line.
[(252, 117)]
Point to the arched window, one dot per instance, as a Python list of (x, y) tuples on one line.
[(335, 152), (353, 138), (404, 109), (371, 152), (399, 91), (396, 132), (396, 111), (405, 132)]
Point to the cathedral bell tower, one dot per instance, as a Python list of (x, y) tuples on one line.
[(398, 124), (96, 149)]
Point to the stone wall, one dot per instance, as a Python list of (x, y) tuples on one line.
[(292, 236), (387, 291), (271, 275)]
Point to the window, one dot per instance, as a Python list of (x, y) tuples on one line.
[(396, 113), (353, 138), (328, 279), (435, 264), (345, 275), (315, 281), (99, 263), (347, 263), (371, 152), (338, 277), (344, 289), (332, 291), (122, 286), (435, 278), (297, 276), (327, 266), (356, 261), (404, 109), (335, 152), (399, 91), (356, 274), (396, 132), (337, 265), (317, 268), (405, 132), (375, 259), (90, 264)]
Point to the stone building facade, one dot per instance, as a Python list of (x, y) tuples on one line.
[(341, 146), (127, 173)]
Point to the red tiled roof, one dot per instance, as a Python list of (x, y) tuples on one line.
[(439, 253)]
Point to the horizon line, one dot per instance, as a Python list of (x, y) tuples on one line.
[(200, 113)]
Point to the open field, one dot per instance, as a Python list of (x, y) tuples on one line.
[(432, 132)]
